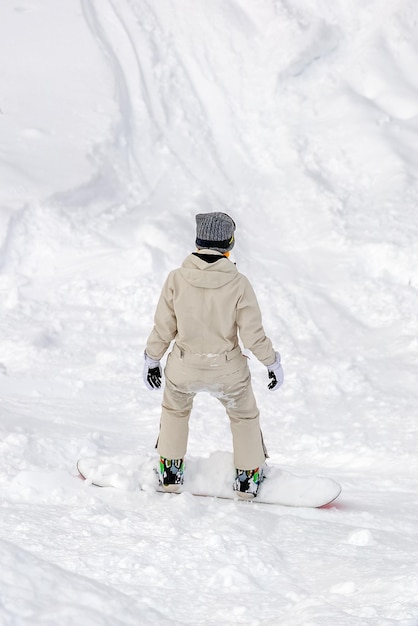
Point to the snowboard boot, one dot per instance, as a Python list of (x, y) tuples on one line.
[(247, 482), (171, 474)]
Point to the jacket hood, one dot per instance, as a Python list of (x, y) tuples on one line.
[(199, 273)]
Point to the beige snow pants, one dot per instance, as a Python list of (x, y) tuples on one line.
[(226, 377)]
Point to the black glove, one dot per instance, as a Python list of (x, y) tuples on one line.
[(152, 373), (275, 372), (154, 377)]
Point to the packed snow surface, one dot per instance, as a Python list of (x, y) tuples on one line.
[(119, 121)]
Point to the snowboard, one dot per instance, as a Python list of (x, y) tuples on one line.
[(211, 476)]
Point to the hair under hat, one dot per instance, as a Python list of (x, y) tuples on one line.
[(215, 231)]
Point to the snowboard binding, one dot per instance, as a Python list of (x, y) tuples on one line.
[(247, 482), (171, 474)]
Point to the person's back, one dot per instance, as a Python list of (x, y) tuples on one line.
[(211, 301)]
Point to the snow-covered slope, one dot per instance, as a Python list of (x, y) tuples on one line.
[(118, 122)]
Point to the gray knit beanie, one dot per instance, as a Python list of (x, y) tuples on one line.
[(215, 231)]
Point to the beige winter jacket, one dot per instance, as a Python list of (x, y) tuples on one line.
[(203, 306)]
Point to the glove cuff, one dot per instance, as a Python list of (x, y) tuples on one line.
[(276, 365), (149, 362)]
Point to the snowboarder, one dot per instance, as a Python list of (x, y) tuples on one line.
[(203, 306)]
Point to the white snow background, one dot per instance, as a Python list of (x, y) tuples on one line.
[(119, 121)]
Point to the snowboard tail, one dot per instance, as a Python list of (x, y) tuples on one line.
[(209, 477)]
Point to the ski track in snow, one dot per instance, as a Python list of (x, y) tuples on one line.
[(300, 119)]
